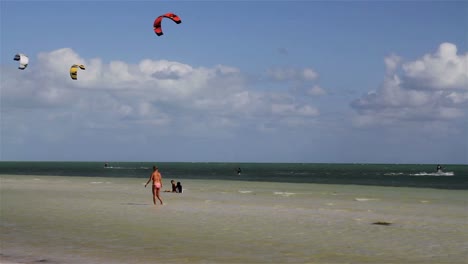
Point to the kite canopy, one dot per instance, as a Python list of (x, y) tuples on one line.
[(23, 60), (157, 22), (74, 70)]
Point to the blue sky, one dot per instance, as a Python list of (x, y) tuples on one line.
[(236, 81)]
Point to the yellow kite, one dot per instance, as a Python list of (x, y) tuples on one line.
[(74, 70)]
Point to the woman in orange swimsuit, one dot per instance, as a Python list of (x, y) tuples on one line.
[(157, 184)]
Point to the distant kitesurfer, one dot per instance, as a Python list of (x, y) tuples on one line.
[(439, 168), (239, 171)]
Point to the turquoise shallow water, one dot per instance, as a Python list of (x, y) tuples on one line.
[(62, 219), (398, 175), (83, 212)]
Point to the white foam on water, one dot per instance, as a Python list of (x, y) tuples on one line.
[(285, 194), (393, 173), (448, 173), (365, 199)]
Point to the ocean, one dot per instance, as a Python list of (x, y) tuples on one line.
[(454, 177), (82, 212)]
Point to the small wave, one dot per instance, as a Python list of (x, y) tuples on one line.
[(365, 199), (245, 191), (94, 182), (127, 168), (393, 173), (285, 194), (448, 173)]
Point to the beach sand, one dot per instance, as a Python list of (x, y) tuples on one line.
[(52, 219)]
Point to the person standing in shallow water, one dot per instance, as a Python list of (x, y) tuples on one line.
[(157, 184)]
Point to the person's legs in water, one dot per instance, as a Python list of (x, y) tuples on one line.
[(156, 189), (157, 195)]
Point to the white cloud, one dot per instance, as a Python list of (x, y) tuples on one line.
[(316, 90), (308, 110), (391, 63), (291, 74), (428, 89), (149, 93), (458, 98), (309, 74), (443, 70)]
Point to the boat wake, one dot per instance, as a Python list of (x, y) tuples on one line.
[(448, 173)]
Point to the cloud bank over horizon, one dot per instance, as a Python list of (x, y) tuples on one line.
[(429, 89), (119, 100), (145, 91)]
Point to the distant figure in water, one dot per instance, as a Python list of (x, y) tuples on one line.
[(179, 187), (439, 168), (106, 165), (239, 171), (157, 184)]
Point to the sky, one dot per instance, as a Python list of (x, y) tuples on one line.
[(236, 81)]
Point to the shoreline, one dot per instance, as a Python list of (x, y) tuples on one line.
[(259, 181)]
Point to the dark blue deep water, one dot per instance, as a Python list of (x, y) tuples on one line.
[(398, 175)]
